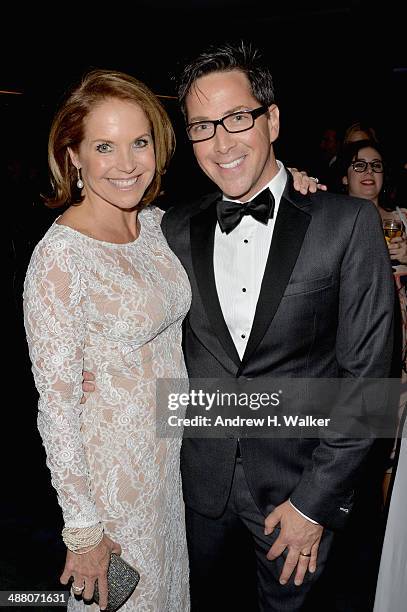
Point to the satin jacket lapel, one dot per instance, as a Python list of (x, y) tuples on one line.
[(202, 227), (289, 232)]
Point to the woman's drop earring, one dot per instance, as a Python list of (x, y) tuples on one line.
[(79, 182)]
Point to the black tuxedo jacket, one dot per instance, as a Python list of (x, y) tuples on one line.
[(325, 310)]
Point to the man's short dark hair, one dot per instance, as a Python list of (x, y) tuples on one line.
[(224, 58)]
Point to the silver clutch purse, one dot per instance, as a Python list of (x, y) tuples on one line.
[(122, 579)]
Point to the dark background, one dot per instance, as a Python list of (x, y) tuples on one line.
[(333, 63)]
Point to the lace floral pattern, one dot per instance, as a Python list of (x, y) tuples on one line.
[(115, 310)]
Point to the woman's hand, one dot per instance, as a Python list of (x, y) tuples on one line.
[(305, 183), (88, 567), (398, 249)]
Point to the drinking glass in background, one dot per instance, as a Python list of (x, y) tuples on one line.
[(392, 228)]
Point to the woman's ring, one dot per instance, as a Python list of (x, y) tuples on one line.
[(77, 589), (312, 178)]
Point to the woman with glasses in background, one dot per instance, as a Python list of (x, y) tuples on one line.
[(363, 171)]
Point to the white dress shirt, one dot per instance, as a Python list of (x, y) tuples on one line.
[(239, 261)]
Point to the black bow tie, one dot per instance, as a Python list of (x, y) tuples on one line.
[(230, 213)]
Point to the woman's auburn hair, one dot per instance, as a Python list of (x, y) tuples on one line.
[(68, 126)]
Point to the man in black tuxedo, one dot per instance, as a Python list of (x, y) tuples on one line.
[(284, 285)]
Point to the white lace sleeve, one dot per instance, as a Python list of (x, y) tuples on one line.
[(155, 213), (55, 322)]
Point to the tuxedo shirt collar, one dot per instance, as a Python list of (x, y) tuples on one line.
[(276, 186), (284, 189)]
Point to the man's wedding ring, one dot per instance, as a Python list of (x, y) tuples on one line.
[(77, 589), (305, 554)]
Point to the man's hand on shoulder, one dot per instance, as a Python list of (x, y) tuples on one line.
[(299, 535)]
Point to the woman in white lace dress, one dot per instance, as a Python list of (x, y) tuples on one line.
[(104, 293)]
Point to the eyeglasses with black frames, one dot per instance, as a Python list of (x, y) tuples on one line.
[(233, 123), (361, 166)]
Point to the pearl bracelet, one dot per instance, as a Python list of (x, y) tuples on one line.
[(77, 538)]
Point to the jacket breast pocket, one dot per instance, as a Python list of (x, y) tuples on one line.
[(310, 286)]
